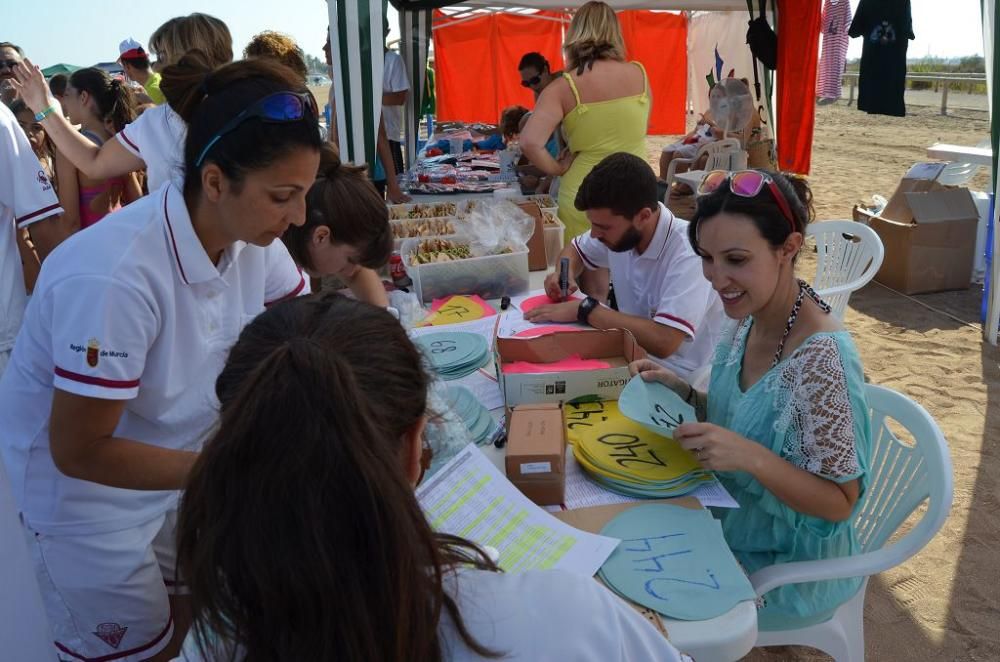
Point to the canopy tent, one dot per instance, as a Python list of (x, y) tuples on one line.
[(991, 45), (355, 39), (60, 68)]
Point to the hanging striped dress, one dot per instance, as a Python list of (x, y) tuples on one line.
[(836, 20)]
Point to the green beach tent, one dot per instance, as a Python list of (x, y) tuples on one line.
[(60, 68)]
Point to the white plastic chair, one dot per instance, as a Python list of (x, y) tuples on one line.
[(725, 154), (849, 255), (901, 477)]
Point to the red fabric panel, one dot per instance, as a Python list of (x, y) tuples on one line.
[(799, 24), (659, 41), (475, 63)]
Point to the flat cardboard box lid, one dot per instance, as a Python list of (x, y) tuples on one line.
[(558, 346), (942, 205), (928, 170)]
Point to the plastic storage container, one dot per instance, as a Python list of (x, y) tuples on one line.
[(554, 237), (427, 227), (491, 276), (423, 210)]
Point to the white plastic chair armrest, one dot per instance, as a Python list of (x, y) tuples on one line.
[(844, 288), (859, 565), (672, 168)]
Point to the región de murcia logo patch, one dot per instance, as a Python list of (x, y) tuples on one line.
[(93, 352), (111, 634)]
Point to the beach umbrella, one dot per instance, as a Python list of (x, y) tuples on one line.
[(60, 68)]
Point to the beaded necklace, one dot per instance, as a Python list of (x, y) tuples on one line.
[(804, 289)]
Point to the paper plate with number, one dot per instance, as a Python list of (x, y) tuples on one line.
[(655, 406), (454, 355), (627, 457), (674, 560)]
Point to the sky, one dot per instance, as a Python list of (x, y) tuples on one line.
[(84, 33)]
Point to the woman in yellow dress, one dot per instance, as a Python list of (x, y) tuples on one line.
[(602, 101)]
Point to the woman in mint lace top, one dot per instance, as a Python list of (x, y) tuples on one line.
[(784, 424)]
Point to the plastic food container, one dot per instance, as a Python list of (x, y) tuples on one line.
[(424, 228), (491, 276), (423, 210), (554, 237)]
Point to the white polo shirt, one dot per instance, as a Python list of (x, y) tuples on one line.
[(132, 309), (157, 137), (394, 79), (26, 196), (664, 284), (536, 615)]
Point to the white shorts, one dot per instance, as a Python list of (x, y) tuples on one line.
[(106, 594)]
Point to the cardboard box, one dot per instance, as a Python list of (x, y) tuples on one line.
[(617, 347), (536, 244), (536, 452), (930, 244), (921, 177)]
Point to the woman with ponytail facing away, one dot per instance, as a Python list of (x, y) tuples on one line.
[(110, 390), (301, 538), (102, 106)]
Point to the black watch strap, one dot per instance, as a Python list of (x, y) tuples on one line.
[(586, 307)]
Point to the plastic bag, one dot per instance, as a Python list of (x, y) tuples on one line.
[(445, 432), (407, 305), (497, 228)]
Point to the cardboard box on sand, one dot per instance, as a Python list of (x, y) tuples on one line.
[(929, 233)]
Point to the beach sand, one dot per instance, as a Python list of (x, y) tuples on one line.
[(943, 603)]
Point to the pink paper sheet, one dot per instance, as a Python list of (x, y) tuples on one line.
[(542, 330), (569, 364), (541, 300)]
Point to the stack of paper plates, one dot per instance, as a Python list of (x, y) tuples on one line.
[(477, 418), (628, 458), (454, 354)]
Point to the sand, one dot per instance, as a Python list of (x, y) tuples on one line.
[(943, 603)]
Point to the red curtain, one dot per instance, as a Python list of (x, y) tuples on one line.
[(659, 41), (798, 57), (475, 63)]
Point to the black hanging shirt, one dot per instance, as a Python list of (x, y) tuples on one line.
[(886, 27)]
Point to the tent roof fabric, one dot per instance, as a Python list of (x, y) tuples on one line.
[(60, 68), (695, 5)]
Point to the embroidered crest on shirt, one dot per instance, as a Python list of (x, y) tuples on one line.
[(43, 180), (93, 354), (111, 634)]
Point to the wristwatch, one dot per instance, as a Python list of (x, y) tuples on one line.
[(586, 307)]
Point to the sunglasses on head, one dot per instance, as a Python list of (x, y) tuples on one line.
[(531, 82), (278, 107), (8, 64), (748, 184)]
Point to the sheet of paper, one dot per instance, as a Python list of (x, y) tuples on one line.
[(512, 321), (469, 497), (532, 302), (581, 492), (568, 364)]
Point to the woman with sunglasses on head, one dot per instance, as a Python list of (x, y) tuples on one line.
[(155, 140), (346, 232), (317, 453), (109, 393), (784, 422)]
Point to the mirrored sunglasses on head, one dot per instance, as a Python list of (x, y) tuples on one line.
[(278, 107), (747, 184)]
